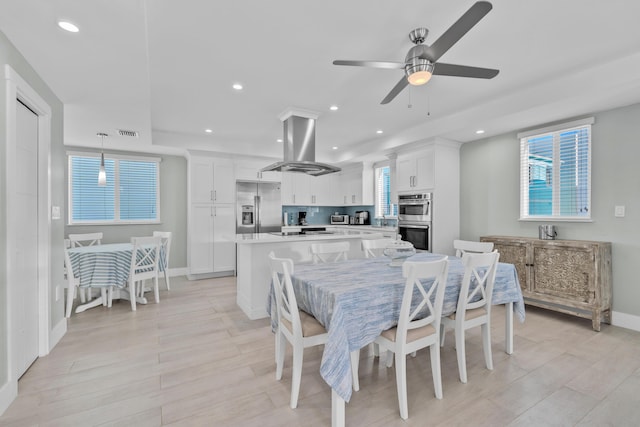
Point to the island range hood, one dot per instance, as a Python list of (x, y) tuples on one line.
[(300, 146)]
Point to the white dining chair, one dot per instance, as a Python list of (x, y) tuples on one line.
[(165, 248), (144, 266), (373, 248), (329, 252), (468, 246), (417, 329), (73, 282), (474, 307), (86, 239), (299, 328)]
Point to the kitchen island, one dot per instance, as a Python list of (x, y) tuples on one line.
[(254, 274)]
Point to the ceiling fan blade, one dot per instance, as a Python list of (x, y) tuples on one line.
[(470, 18), (396, 90), (442, 69), (374, 64)]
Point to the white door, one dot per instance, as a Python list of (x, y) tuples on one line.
[(201, 250), (25, 288)]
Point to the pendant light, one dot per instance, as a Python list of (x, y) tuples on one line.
[(102, 174)]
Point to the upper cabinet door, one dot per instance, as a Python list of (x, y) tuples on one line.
[(201, 181), (223, 183)]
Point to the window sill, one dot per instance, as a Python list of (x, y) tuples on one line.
[(554, 219)]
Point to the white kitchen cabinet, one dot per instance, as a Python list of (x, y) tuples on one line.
[(201, 239), (356, 186), (435, 168), (211, 235), (224, 235), (295, 189), (212, 180), (249, 170), (416, 172), (212, 239)]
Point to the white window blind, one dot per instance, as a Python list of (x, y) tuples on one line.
[(383, 193), (130, 196), (555, 172)]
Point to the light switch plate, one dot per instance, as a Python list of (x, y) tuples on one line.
[(55, 212), (619, 211)]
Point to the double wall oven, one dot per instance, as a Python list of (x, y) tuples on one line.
[(414, 219)]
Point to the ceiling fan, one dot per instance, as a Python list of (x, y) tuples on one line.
[(421, 61)]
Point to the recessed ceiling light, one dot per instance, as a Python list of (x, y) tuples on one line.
[(334, 148), (279, 140), (333, 108), (479, 131), (237, 86), (379, 131), (68, 26), (208, 130)]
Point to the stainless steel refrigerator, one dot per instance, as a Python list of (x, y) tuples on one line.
[(259, 207)]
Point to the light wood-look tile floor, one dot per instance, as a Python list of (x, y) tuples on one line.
[(196, 360)]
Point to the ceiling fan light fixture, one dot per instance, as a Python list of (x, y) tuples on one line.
[(419, 72)]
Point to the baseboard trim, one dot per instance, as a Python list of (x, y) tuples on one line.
[(625, 320), (182, 271), (8, 393), (57, 333)]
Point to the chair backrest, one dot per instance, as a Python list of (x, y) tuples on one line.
[(68, 269), (476, 290), (165, 247), (430, 279), (144, 258), (467, 246), (374, 248), (329, 252), (86, 239), (286, 303)]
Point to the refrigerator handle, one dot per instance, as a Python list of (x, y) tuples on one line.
[(256, 203)]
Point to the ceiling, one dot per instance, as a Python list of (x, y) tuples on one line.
[(165, 69)]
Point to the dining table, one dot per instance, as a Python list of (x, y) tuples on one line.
[(105, 265), (357, 299)]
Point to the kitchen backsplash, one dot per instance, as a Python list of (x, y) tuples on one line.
[(320, 215)]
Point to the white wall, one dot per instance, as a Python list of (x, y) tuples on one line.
[(490, 186)]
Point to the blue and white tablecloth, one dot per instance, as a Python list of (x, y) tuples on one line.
[(104, 265), (356, 300)]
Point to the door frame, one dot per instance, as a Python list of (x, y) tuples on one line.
[(18, 89)]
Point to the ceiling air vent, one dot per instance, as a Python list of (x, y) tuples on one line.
[(129, 133)]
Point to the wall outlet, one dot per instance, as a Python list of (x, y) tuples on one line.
[(619, 211)]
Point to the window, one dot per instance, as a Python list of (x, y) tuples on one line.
[(130, 196), (555, 172), (384, 207)]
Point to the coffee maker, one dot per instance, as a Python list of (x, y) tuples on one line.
[(302, 218), (362, 217)]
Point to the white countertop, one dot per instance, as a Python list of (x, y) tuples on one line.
[(251, 238)]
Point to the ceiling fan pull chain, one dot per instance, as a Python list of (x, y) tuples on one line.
[(409, 105)]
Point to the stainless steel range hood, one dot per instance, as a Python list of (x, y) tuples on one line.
[(300, 146)]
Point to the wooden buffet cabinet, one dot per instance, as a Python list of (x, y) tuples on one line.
[(568, 276)]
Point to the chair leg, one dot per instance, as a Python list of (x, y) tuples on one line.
[(82, 297), (166, 279), (105, 297), (389, 357), (486, 344), (443, 334), (460, 352), (355, 362), (71, 290), (156, 290), (109, 296), (281, 349), (436, 370), (296, 374), (401, 384), (132, 294)]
